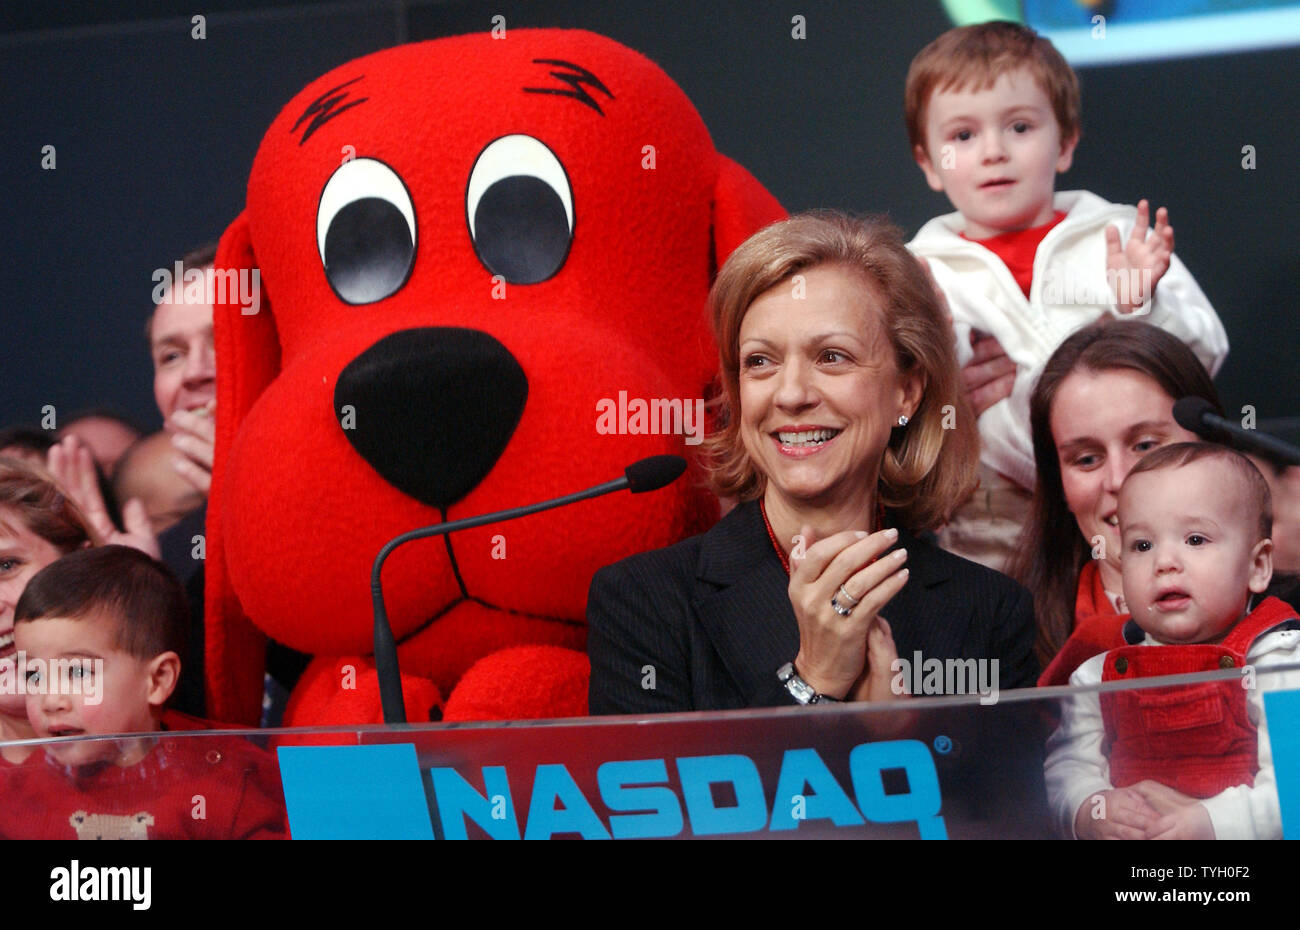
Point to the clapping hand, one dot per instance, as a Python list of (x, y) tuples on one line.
[(1135, 267), (71, 465), (876, 683), (194, 436), (834, 647)]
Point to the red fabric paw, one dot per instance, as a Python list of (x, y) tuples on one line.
[(344, 691), (527, 682)]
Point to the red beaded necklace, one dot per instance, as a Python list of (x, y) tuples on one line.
[(785, 560)]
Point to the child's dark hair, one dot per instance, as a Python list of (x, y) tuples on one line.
[(1178, 454), (143, 597)]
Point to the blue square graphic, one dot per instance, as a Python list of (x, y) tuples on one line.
[(354, 793), (1282, 709)]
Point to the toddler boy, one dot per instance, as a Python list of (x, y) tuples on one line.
[(100, 633), (992, 115), (1190, 761)]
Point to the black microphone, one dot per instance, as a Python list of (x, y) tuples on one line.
[(649, 474), (1198, 415)]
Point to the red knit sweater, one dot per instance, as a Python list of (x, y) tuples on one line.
[(184, 788)]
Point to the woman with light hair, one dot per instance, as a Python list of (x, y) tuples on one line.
[(844, 435)]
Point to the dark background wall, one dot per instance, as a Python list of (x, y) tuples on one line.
[(155, 133)]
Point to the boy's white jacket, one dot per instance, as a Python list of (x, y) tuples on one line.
[(1069, 291)]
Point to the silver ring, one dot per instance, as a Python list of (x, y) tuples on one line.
[(842, 611), (849, 598)]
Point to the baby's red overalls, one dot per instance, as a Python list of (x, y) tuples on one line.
[(1197, 739)]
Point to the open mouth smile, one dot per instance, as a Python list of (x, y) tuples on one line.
[(803, 441)]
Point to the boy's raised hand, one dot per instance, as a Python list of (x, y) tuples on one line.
[(1135, 267)]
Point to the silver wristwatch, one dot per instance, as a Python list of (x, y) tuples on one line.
[(799, 689)]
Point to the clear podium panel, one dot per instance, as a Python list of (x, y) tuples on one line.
[(200, 784), (1030, 764)]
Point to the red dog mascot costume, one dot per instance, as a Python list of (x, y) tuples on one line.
[(482, 266)]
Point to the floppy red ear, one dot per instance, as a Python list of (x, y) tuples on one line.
[(248, 359), (741, 207)]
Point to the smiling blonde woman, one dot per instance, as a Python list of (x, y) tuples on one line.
[(843, 433)]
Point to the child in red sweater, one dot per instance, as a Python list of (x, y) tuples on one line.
[(99, 635), (1191, 761)]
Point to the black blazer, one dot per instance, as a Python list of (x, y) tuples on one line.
[(708, 621)]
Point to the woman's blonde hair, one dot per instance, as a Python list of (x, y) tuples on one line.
[(31, 496), (929, 467)]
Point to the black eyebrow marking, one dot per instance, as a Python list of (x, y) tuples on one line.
[(325, 108), (574, 78)]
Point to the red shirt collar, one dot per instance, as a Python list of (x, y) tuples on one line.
[(1018, 248), (785, 560)]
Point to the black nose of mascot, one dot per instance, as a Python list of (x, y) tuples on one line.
[(431, 409)]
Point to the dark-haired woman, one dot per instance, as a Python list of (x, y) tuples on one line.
[(1104, 400)]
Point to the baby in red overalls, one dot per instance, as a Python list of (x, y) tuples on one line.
[(1189, 761)]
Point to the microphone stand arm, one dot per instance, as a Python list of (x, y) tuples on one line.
[(390, 687)]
